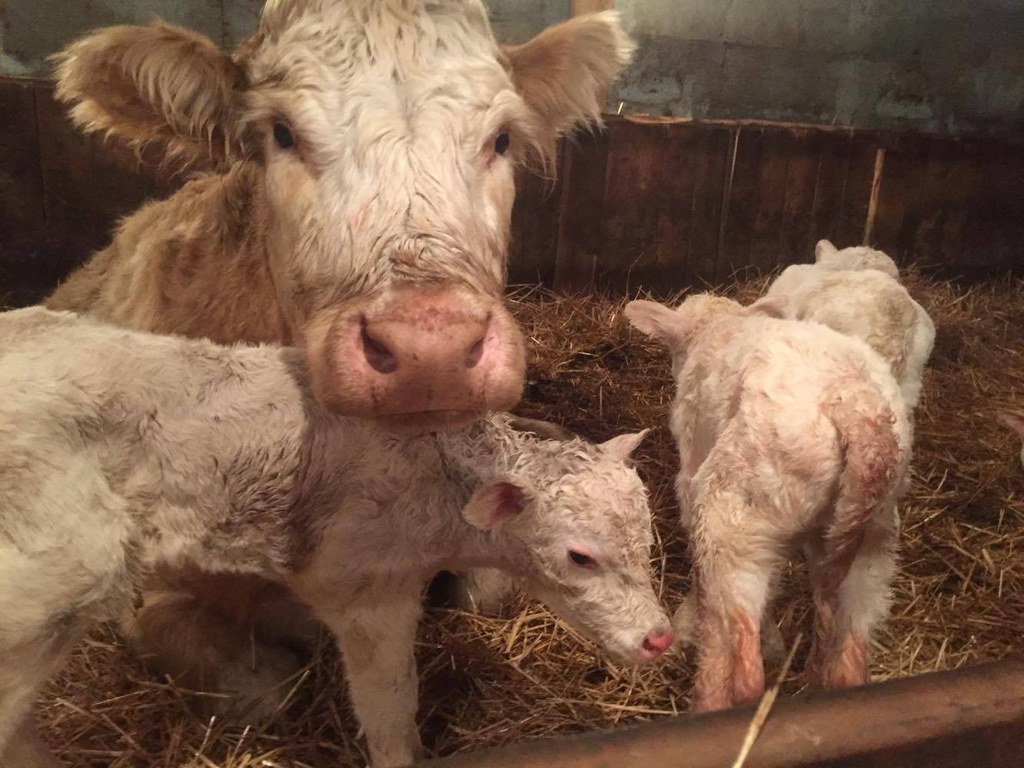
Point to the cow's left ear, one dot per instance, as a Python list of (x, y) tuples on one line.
[(495, 504), (564, 71), (622, 446)]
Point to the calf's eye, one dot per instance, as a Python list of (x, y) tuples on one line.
[(582, 560), (501, 143), (283, 136)]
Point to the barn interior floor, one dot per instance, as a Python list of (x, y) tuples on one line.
[(959, 598)]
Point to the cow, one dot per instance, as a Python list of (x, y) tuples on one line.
[(358, 163)]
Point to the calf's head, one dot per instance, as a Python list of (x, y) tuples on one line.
[(379, 139), (575, 523), (855, 258), (675, 328)]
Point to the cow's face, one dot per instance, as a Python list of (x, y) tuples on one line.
[(389, 138), (386, 134)]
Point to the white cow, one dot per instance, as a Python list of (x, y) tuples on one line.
[(121, 452)]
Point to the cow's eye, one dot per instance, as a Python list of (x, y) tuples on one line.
[(581, 559), (501, 143), (283, 136)]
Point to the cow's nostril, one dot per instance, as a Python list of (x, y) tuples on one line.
[(377, 354), (476, 352)]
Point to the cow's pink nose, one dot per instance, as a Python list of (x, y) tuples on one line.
[(418, 358), (656, 643), (387, 347)]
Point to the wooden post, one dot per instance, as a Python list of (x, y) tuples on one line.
[(955, 719), (876, 184)]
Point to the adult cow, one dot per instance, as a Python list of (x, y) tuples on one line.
[(365, 153)]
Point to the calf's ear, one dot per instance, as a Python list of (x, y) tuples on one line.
[(657, 321), (153, 85), (622, 446), (495, 504), (824, 249), (770, 306), (563, 72)]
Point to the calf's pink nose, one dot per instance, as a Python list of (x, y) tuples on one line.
[(656, 643)]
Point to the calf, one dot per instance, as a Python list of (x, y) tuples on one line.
[(789, 434), (856, 292), (121, 452)]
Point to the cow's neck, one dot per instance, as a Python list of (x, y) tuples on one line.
[(231, 297), (195, 264)]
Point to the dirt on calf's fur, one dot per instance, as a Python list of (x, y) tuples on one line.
[(492, 680)]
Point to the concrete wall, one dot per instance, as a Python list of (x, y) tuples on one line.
[(30, 30), (942, 66)]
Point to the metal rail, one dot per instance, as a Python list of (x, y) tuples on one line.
[(966, 718)]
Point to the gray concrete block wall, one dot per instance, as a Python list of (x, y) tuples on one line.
[(30, 30), (936, 66)]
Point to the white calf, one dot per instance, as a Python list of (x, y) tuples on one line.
[(789, 434), (121, 452), (856, 292)]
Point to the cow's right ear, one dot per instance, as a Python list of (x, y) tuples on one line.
[(153, 85), (563, 72)]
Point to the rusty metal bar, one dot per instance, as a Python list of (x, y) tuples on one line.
[(963, 718)]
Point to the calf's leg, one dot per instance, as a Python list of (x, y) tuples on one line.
[(376, 636), (850, 603), (734, 577), (27, 750), (24, 669)]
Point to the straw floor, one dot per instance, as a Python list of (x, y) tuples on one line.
[(488, 681)]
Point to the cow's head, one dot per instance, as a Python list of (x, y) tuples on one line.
[(382, 137)]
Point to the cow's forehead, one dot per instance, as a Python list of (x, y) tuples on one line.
[(353, 34)]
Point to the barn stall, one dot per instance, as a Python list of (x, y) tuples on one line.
[(660, 203)]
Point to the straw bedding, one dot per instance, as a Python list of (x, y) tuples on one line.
[(492, 680)]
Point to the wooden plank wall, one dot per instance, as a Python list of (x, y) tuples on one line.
[(663, 204), (61, 193), (650, 203)]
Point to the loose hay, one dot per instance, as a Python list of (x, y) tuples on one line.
[(488, 681)]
